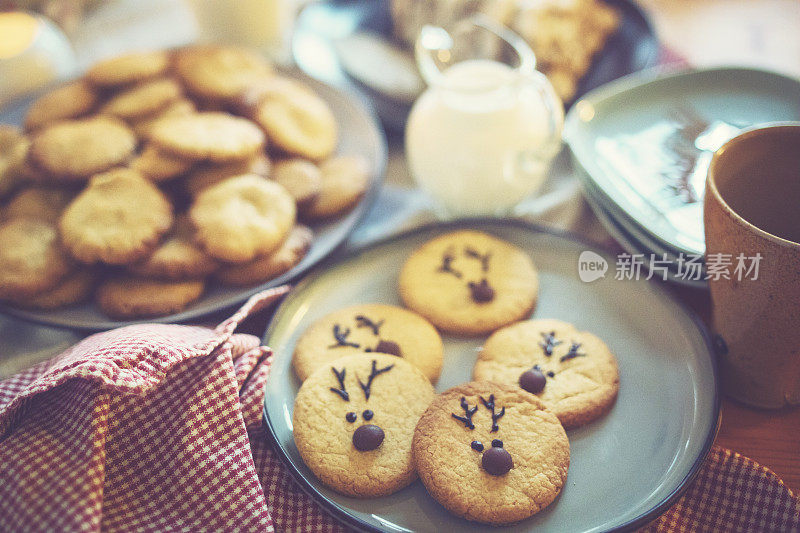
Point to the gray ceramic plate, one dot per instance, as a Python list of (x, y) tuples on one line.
[(635, 241), (625, 468), (359, 133), (627, 133)]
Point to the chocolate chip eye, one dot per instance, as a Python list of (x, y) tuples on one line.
[(367, 414), (497, 443), (477, 445), (351, 417)]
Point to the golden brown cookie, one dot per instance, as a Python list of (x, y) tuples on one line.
[(375, 328), (31, 259), (298, 122), (220, 72), (74, 289), (39, 203), (573, 372), (270, 266), (301, 178), (469, 282), (76, 149), (344, 180), (142, 100), (133, 297), (69, 101), (178, 257), (354, 422), (217, 137), (128, 68), (143, 126), (242, 218), (491, 453), (157, 165), (209, 174), (14, 148), (118, 219)]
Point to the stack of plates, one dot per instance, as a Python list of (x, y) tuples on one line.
[(642, 145)]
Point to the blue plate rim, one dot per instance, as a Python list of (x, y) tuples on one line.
[(334, 259)]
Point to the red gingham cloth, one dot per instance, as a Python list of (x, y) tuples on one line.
[(158, 427)]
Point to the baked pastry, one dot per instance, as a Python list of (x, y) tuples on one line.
[(354, 420), (573, 372), (469, 282), (372, 328), (491, 453)]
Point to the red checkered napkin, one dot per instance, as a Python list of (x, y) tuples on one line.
[(732, 494), (157, 427), (147, 428)]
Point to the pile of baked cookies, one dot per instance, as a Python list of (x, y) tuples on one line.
[(367, 421), (157, 171)]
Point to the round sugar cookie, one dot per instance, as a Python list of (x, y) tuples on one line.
[(354, 421), (76, 149), (31, 258), (128, 68), (343, 181), (220, 72), (134, 297), (212, 136), (573, 372), (65, 102), (370, 328), (177, 257), (118, 219), (74, 289), (272, 265), (491, 453), (470, 283), (144, 99), (242, 218)]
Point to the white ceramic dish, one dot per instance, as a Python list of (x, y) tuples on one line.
[(626, 468), (632, 109)]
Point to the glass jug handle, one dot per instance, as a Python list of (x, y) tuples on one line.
[(554, 107)]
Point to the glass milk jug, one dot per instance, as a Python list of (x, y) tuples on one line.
[(482, 136)]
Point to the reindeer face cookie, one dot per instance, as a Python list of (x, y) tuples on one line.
[(491, 453), (573, 372), (370, 328), (354, 420), (469, 282)]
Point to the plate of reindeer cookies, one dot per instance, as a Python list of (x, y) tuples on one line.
[(165, 185), (462, 376)]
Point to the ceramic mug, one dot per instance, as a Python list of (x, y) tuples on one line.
[(752, 226)]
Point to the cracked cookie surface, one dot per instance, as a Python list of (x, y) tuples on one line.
[(491, 453), (469, 282), (370, 328), (573, 372), (354, 420)]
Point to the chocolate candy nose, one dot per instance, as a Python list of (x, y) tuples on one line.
[(481, 292), (533, 380), (367, 437), (496, 461)]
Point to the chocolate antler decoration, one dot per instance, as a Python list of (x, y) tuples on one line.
[(447, 264), (375, 372), (573, 352), (341, 337), (340, 378), (483, 258), (549, 343), (468, 412), (495, 416), (364, 322)]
